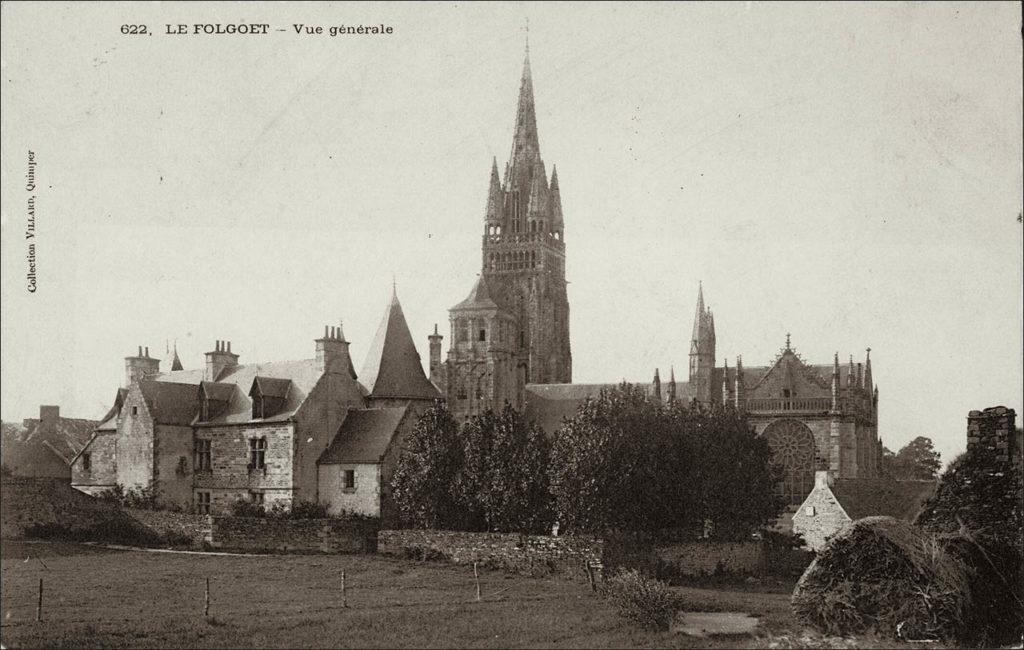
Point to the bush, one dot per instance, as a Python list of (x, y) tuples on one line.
[(308, 510), (640, 599), (247, 508)]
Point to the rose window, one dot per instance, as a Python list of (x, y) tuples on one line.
[(792, 447)]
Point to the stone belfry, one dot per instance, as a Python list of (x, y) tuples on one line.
[(524, 251)]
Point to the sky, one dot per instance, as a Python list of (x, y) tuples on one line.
[(847, 173)]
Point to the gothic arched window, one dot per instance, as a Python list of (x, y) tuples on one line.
[(792, 448)]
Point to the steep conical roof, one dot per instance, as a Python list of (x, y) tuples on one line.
[(478, 298), (393, 367)]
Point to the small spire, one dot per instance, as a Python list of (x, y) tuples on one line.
[(787, 341), (394, 288)]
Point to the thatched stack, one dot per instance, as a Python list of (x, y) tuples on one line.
[(883, 576)]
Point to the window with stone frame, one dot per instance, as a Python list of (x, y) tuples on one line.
[(257, 497), (86, 463), (349, 479), (203, 456), (203, 502), (257, 454)]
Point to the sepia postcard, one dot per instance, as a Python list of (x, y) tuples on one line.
[(351, 324)]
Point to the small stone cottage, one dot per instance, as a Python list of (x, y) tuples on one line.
[(833, 503)]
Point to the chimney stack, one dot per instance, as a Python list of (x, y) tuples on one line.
[(332, 354), (139, 367), (219, 360), (49, 413)]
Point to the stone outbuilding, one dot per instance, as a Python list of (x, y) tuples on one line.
[(834, 503)]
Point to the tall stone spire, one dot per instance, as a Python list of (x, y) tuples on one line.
[(671, 384), (702, 351), (525, 142), (867, 372), (555, 196)]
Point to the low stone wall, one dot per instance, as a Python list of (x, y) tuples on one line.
[(752, 558), (523, 554), (174, 525), (710, 558), (293, 535)]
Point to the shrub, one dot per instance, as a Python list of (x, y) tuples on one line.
[(308, 510), (640, 599), (247, 508)]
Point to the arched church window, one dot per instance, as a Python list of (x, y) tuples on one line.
[(792, 448)]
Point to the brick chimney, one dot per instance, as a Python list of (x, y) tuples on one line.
[(139, 367), (992, 432), (332, 354), (219, 360)]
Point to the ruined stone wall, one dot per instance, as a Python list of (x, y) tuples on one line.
[(170, 525), (992, 432)]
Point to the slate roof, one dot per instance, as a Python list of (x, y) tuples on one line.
[(479, 297), (272, 387), (302, 376), (393, 368), (868, 497), (170, 403), (364, 436), (34, 446), (109, 421)]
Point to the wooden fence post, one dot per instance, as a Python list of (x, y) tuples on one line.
[(39, 603), (206, 606), (476, 575), (344, 597), (590, 576)]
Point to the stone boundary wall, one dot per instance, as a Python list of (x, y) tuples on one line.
[(169, 525), (28, 503), (293, 535), (515, 553), (710, 558)]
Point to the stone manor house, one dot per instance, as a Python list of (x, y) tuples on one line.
[(314, 430)]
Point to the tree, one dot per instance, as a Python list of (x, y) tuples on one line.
[(627, 462), (503, 484), (490, 474), (918, 460), (423, 485)]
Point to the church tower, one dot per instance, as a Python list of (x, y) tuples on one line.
[(520, 301), (702, 351)]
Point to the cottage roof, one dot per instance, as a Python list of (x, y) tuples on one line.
[(393, 368), (364, 436), (170, 403), (271, 386), (867, 497), (30, 447)]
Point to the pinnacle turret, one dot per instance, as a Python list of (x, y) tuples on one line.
[(494, 197)]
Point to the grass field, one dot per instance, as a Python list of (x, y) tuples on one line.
[(101, 598)]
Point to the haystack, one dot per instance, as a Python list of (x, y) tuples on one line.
[(883, 576)]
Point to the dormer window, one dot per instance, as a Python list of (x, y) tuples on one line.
[(269, 396), (214, 399)]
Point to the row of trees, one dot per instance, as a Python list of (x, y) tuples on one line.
[(622, 462)]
